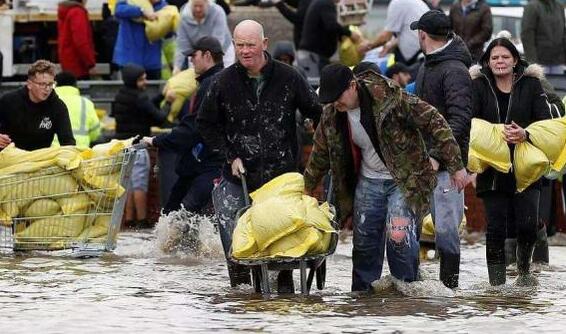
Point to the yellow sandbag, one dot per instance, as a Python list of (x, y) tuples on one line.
[(296, 244), (98, 229), (475, 165), (144, 5), (167, 21), (42, 207), (530, 164), (184, 84), (275, 218), (487, 145), (322, 245), (5, 219), (62, 184), (550, 137), (111, 148), (110, 184), (348, 50), (53, 227), (288, 185), (243, 243), (17, 161), (317, 216), (74, 204)]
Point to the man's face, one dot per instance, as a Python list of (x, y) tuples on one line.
[(348, 100), (141, 83), (40, 86), (200, 61), (199, 9), (249, 49)]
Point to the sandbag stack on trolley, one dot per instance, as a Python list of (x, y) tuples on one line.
[(56, 197)]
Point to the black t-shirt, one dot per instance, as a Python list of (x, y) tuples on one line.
[(503, 102)]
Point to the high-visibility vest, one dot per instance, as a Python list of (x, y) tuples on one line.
[(84, 121)]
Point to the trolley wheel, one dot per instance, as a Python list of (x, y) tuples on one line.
[(256, 278), (321, 275)]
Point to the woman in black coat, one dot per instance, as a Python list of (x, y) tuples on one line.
[(507, 90)]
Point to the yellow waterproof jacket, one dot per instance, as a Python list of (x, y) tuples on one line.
[(84, 121)]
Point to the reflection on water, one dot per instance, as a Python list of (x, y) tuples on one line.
[(145, 287)]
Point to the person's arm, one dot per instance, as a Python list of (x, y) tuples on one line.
[(556, 105), (125, 11), (180, 138), (541, 109), (221, 28), (287, 12), (307, 100), (211, 122), (183, 46), (329, 18), (528, 33), (485, 32), (145, 106), (319, 160), (63, 128), (81, 41)]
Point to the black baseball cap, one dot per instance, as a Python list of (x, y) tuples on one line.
[(334, 80), (208, 43), (433, 22), (396, 69)]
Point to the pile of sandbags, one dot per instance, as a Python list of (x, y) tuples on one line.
[(283, 222), (59, 193), (543, 155)]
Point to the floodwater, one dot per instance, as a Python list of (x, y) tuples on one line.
[(141, 289)]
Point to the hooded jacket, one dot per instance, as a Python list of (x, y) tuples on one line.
[(543, 32), (444, 82), (396, 123), (256, 123), (190, 31), (475, 27), (527, 104), (132, 45), (74, 40)]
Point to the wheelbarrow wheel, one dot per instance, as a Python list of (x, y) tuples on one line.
[(321, 275)]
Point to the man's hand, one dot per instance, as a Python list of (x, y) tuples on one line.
[(435, 164), (514, 134), (355, 36), (4, 140), (149, 15), (460, 179), (148, 141), (238, 167), (364, 47)]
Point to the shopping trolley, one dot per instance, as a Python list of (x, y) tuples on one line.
[(78, 210)]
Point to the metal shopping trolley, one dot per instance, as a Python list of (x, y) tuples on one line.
[(78, 210), (316, 263)]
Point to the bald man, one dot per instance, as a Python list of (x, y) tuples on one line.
[(248, 116)]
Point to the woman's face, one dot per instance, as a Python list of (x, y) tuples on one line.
[(501, 61)]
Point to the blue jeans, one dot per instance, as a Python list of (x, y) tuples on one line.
[(382, 217), (447, 211)]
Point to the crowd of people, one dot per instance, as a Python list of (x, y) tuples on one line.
[(395, 143)]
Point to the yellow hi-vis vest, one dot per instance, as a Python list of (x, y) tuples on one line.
[(85, 123)]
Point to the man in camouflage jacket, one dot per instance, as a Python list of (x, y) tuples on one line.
[(395, 123)]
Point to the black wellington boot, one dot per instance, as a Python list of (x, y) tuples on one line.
[(449, 269), (496, 274), (540, 254), (524, 254), (238, 273), (510, 251), (285, 282)]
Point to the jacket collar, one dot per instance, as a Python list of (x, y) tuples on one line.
[(210, 72), (533, 70), (266, 71)]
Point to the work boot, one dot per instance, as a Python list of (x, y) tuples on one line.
[(524, 254), (449, 269), (540, 254), (285, 282), (239, 274), (496, 274), (510, 251)]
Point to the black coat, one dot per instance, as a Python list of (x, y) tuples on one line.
[(528, 103), (34, 125), (296, 17), (258, 128), (444, 82), (135, 113), (184, 139)]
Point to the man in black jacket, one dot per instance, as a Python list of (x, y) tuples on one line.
[(444, 82), (32, 115), (248, 116), (197, 166)]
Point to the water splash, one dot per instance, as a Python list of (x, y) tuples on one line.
[(424, 288)]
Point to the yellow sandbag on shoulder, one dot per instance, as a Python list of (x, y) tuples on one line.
[(98, 229), (550, 137), (530, 164), (296, 244), (75, 204), (348, 50), (144, 5), (167, 21), (486, 140), (42, 207), (243, 243), (275, 218), (52, 227), (184, 84), (288, 185)]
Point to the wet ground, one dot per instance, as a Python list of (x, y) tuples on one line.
[(140, 289)]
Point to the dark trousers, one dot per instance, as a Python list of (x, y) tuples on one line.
[(195, 190), (510, 211)]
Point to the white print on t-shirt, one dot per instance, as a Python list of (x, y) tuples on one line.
[(45, 123)]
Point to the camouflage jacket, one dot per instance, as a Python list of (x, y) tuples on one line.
[(399, 122)]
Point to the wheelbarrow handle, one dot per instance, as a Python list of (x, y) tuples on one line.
[(245, 188)]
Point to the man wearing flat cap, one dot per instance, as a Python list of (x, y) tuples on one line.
[(443, 81), (371, 137)]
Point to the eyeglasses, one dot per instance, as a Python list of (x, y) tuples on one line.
[(45, 85)]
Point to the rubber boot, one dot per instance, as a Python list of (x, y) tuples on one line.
[(449, 269), (540, 254), (238, 274), (524, 254), (496, 274), (285, 282), (510, 251)]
